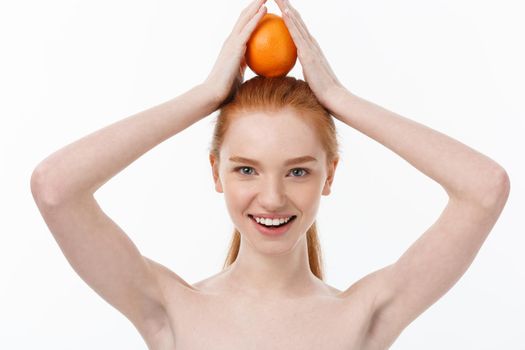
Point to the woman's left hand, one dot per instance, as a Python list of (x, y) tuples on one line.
[(316, 70)]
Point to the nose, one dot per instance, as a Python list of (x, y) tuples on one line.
[(272, 195)]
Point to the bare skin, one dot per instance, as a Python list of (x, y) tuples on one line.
[(230, 310), (209, 315)]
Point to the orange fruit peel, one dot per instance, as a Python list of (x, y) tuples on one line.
[(270, 50)]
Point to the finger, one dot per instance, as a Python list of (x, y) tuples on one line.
[(295, 18), (247, 14), (250, 26), (297, 35)]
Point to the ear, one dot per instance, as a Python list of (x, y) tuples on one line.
[(330, 177), (215, 172)]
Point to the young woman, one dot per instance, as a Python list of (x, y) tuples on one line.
[(273, 154)]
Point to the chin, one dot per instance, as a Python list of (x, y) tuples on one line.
[(268, 246)]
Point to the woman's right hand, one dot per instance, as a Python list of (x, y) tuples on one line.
[(228, 72)]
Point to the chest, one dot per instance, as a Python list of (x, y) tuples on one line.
[(217, 323)]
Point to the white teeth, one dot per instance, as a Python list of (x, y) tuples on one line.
[(271, 222)]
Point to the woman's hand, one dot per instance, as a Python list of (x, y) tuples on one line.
[(316, 70), (228, 72)]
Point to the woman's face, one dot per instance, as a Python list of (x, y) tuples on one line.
[(271, 186)]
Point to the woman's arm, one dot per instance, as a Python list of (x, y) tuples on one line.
[(96, 247), (478, 189), (462, 171), (83, 166)]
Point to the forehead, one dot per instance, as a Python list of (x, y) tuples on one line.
[(281, 134)]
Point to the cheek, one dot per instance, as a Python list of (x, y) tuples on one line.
[(307, 197), (237, 197)]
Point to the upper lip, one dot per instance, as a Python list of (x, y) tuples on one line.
[(272, 216)]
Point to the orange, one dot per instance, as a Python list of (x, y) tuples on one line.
[(270, 51)]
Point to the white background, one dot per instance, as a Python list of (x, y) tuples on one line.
[(69, 68)]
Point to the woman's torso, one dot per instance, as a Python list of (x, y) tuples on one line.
[(202, 318)]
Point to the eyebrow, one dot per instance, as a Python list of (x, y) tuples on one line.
[(292, 161)]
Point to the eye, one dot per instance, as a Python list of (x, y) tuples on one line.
[(306, 172), (242, 168)]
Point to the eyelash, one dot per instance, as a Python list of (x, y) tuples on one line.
[(307, 172)]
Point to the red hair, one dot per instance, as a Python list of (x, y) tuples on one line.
[(272, 94)]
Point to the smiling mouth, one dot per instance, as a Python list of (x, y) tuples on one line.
[(274, 226)]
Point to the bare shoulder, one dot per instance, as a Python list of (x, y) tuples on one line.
[(166, 277), (368, 287), (174, 289), (367, 296)]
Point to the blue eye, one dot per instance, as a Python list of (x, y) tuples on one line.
[(305, 171), (243, 167)]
